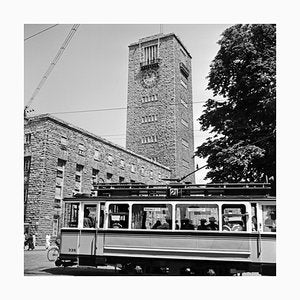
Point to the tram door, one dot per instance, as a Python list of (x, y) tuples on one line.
[(88, 234)]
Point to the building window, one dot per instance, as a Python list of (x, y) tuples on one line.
[(81, 149), (150, 98), (58, 192), (183, 52), (109, 177), (110, 159), (122, 163), (97, 154), (185, 163), (183, 83), (133, 168), (78, 177), (149, 139), (63, 141), (185, 143), (28, 138), (60, 169), (95, 176), (55, 227), (185, 123), (151, 174), (27, 163), (150, 54), (142, 171)]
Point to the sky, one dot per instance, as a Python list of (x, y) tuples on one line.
[(93, 73)]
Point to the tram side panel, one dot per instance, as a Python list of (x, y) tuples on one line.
[(263, 248), (222, 247)]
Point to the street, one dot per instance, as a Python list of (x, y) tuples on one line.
[(37, 264)]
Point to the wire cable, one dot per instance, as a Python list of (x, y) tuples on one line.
[(40, 32), (53, 63), (106, 109)]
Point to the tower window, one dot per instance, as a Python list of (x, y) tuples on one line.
[(185, 123), (150, 54), (185, 143), (149, 139), (150, 98), (183, 83)]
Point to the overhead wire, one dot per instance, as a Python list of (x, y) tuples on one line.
[(50, 27), (107, 109), (53, 63)]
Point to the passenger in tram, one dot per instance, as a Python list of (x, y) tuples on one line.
[(254, 223), (87, 221), (212, 224), (202, 225), (165, 225), (270, 222), (158, 223), (186, 224), (176, 225)]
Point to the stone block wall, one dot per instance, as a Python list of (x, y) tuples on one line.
[(168, 110), (43, 206)]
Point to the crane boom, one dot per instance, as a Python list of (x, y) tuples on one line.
[(52, 65)]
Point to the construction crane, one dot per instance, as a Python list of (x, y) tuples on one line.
[(50, 68)]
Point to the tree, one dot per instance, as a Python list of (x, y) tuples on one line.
[(242, 145)]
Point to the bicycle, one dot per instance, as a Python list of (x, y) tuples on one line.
[(52, 253)]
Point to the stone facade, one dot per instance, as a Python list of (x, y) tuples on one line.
[(61, 159), (160, 113)]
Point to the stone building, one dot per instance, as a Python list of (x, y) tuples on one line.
[(160, 113), (61, 159)]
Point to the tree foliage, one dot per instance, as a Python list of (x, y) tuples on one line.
[(242, 145)]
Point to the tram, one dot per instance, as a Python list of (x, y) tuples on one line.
[(227, 229)]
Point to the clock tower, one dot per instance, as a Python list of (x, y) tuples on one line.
[(160, 111)]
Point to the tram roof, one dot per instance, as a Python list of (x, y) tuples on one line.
[(179, 191)]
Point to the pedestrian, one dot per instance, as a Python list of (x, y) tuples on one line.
[(47, 243), (33, 240)]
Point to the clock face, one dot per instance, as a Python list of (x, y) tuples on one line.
[(149, 78)]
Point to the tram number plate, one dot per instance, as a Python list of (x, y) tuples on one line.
[(72, 250), (173, 192)]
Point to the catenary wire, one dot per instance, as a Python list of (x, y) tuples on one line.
[(53, 63), (106, 109), (40, 32)]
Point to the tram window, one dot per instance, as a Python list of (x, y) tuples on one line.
[(118, 216), (89, 219), (71, 215), (253, 217), (151, 216), (269, 218), (234, 217), (197, 217), (101, 217)]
